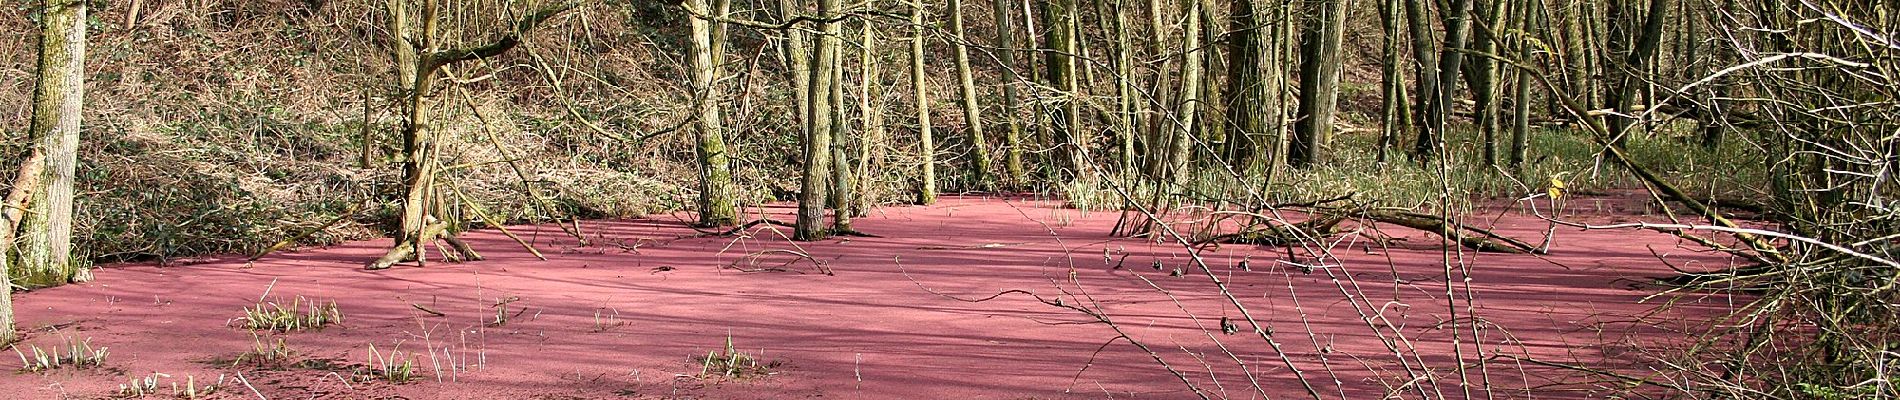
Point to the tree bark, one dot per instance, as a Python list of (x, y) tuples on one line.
[(1394, 122), (843, 184), (798, 60), (1320, 65), (1013, 131), (868, 86), (1068, 137), (43, 256), (1527, 13), (1190, 104), (1486, 88), (12, 211), (812, 196), (715, 171), (1634, 63), (1457, 23), (1425, 57), (972, 112), (927, 143), (1126, 97)]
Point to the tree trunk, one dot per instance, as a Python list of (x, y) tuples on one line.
[(1247, 85), (12, 211), (868, 85), (1160, 126), (798, 60), (843, 184), (1425, 57), (715, 171), (1486, 88), (927, 144), (1013, 131), (1320, 65), (1190, 103), (1393, 121), (972, 112), (43, 255), (1635, 62), (423, 60), (1126, 96), (1527, 13), (1070, 140), (812, 196), (1450, 64)]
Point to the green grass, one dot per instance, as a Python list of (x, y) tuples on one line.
[(299, 315), (394, 366), (730, 363), (76, 353)]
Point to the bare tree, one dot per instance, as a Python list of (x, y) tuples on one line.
[(420, 57)]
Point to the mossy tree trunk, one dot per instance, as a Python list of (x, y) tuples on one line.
[(1247, 77), (814, 186), (715, 171), (1486, 86), (1627, 81), (1013, 126), (12, 211), (43, 254), (972, 110), (1526, 15), (1394, 118), (1189, 105), (1068, 138), (798, 55), (419, 60), (1320, 65), (927, 145), (1437, 97)]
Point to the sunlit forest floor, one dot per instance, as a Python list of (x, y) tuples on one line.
[(637, 312)]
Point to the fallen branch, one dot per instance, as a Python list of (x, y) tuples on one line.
[(741, 228), (428, 310), (1489, 242)]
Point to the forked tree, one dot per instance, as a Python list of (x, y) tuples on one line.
[(420, 54)]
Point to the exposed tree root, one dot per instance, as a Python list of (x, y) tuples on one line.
[(407, 249)]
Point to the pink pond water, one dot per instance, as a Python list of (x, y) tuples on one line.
[(623, 318)]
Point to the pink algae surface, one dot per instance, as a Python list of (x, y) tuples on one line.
[(624, 317)]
